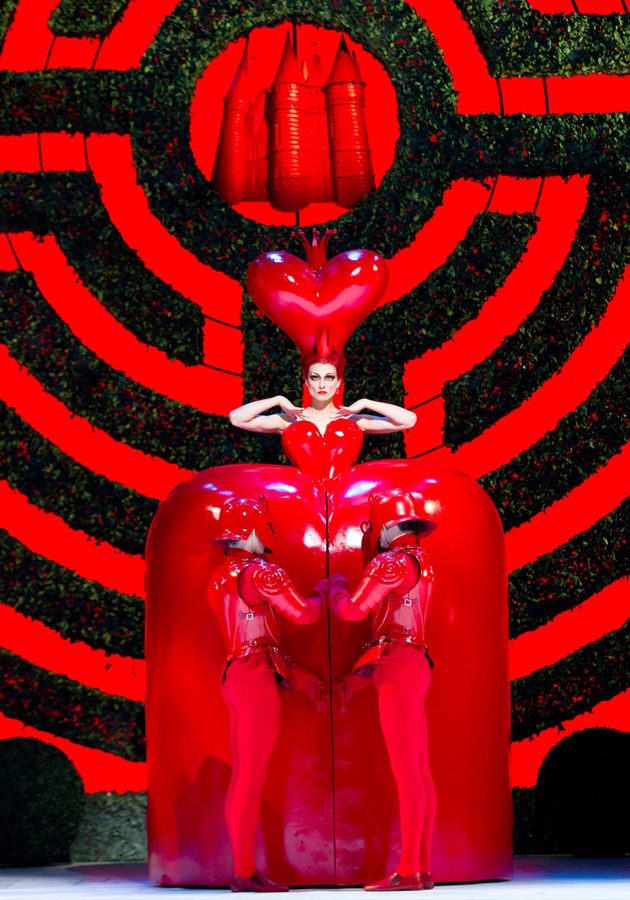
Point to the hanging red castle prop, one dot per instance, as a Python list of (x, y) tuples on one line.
[(303, 140)]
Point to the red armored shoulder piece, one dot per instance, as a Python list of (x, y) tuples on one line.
[(388, 568), (269, 580)]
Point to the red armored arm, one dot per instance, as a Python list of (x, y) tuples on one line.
[(388, 572), (266, 581)]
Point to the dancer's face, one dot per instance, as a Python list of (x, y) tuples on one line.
[(322, 381)]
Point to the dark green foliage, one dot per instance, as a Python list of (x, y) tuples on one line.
[(583, 793), (113, 828), (56, 483), (519, 41), (430, 314), (529, 838), (78, 609), (451, 296), (566, 313), (582, 442), (42, 803), (126, 410), (572, 573), (65, 708), (7, 11), (530, 146), (76, 18), (72, 100), (550, 696), (69, 206)]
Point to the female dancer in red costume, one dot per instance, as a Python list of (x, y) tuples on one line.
[(322, 439), (396, 587), (246, 595), (323, 377)]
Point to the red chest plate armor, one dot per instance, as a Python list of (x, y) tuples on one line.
[(246, 627), (401, 615)]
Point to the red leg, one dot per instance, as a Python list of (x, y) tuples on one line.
[(402, 689), (252, 696)]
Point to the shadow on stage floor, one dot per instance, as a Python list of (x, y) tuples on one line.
[(539, 877)]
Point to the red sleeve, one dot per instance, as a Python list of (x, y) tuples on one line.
[(274, 585), (387, 572)]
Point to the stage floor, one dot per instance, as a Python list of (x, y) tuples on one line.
[(540, 877)]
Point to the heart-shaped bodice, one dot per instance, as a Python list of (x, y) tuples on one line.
[(304, 300), (323, 456)]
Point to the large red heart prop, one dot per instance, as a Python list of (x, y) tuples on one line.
[(329, 808), (307, 298)]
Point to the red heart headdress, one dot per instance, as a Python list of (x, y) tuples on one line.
[(318, 303)]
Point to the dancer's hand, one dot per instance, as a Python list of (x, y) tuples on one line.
[(314, 688), (337, 584), (346, 686), (297, 412), (321, 589), (352, 410)]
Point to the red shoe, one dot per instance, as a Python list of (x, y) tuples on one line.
[(258, 883), (427, 881), (397, 882)]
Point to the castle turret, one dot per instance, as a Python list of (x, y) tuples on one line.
[(288, 182), (321, 186), (351, 159), (227, 174)]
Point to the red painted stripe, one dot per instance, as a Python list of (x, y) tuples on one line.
[(99, 331), (47, 534), (60, 152), (588, 365), (596, 497), (44, 647), (215, 293), (100, 771), (89, 446), (129, 40), (437, 239), (8, 261), (560, 207), (527, 755), (570, 630), (589, 94), (29, 39), (523, 95)]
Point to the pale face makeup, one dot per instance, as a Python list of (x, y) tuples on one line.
[(322, 382)]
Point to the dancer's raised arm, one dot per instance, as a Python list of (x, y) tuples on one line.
[(250, 417), (388, 418)]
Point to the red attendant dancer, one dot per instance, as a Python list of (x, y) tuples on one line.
[(246, 594), (396, 587)]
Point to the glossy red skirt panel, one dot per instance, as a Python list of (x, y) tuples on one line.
[(467, 705)]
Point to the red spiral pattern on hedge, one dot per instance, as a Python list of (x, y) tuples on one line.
[(30, 45)]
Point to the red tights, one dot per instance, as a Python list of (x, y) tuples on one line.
[(402, 678), (250, 690)]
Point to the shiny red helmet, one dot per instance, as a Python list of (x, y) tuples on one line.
[(393, 508), (242, 515)]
